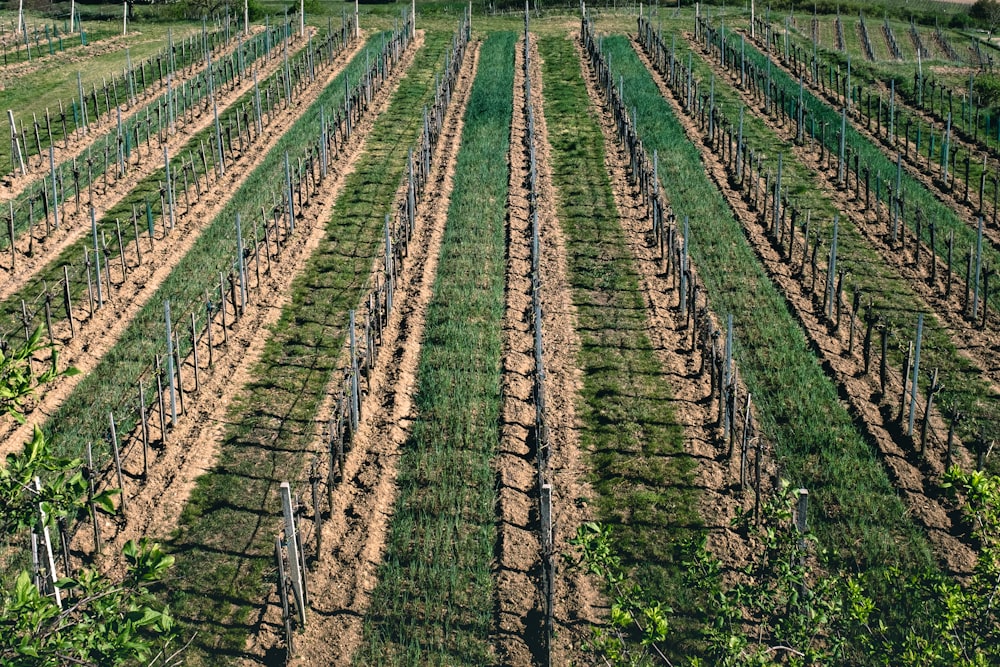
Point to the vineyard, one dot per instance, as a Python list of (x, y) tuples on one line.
[(440, 333)]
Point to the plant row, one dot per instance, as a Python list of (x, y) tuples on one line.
[(118, 153)]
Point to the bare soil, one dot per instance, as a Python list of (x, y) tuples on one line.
[(156, 503)]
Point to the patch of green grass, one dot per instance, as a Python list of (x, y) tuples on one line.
[(224, 542), (434, 601), (41, 90), (641, 473), (856, 512)]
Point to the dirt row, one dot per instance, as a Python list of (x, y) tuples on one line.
[(12, 185), (76, 224), (913, 476), (717, 474), (579, 603), (99, 334)]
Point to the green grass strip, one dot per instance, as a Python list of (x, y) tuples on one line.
[(965, 389), (224, 543), (856, 512), (434, 601), (112, 385), (641, 473)]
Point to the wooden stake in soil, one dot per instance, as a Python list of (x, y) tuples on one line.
[(118, 459), (286, 616), (293, 556), (170, 364), (916, 373), (91, 474)]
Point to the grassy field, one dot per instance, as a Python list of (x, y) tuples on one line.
[(856, 512), (641, 473), (434, 601), (225, 538)]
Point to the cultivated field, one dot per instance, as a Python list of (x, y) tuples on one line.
[(492, 337)]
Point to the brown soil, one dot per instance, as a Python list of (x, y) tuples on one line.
[(354, 535), (75, 221), (914, 476), (520, 606), (95, 336)]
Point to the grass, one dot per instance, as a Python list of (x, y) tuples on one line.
[(224, 542), (981, 413), (856, 513), (434, 601), (965, 388), (145, 192), (640, 471)]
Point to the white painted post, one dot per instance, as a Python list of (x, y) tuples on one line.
[(72, 14), (48, 547), (170, 365), (293, 551), (125, 18), (246, 17)]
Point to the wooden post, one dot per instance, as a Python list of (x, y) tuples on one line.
[(286, 616), (145, 431), (916, 373), (118, 459), (68, 302), (91, 474), (170, 365), (293, 556)]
